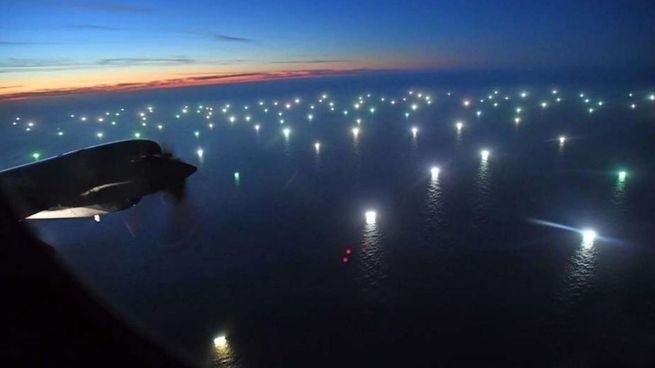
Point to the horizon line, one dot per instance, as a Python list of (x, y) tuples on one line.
[(195, 81)]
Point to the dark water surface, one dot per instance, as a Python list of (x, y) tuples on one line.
[(455, 269)]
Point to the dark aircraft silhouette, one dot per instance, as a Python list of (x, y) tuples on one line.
[(93, 181)]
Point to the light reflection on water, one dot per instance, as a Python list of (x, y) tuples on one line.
[(371, 266), (618, 198), (224, 356), (482, 195), (579, 274), (458, 140), (434, 205)]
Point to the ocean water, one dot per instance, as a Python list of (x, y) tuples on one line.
[(486, 262)]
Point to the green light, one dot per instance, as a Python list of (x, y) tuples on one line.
[(622, 176), (36, 155), (137, 135), (236, 178)]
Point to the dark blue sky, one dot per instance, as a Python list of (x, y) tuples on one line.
[(68, 44)]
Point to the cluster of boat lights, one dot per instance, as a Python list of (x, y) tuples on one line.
[(414, 102), (363, 105)]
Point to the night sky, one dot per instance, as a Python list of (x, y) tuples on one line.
[(48, 46)]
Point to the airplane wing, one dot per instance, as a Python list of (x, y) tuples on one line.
[(81, 183)]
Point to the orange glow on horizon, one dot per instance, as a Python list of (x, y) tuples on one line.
[(17, 86), (190, 81)]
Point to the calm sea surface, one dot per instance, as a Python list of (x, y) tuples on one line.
[(484, 261)]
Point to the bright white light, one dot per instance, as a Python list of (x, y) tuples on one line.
[(434, 171), (544, 104), (623, 175), (524, 94), (257, 127), (478, 113), (310, 117), (99, 135), (370, 217), (196, 133), (588, 238), (517, 120), (651, 97), (414, 107), (466, 103), (355, 131), (459, 125), (317, 146), (484, 154), (232, 119), (414, 131), (220, 341), (200, 152), (562, 139), (286, 132), (60, 133)]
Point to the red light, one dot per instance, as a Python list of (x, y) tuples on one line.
[(344, 259), (348, 251)]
